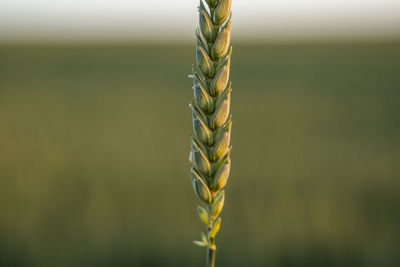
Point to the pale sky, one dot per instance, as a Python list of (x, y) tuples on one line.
[(168, 20)]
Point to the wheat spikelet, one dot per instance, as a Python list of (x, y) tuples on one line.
[(210, 144)]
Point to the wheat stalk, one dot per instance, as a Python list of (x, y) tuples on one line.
[(210, 144)]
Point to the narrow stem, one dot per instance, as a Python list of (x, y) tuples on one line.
[(211, 251), (210, 257)]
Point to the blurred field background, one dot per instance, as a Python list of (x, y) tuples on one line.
[(94, 145)]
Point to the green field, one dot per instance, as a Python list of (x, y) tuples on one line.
[(94, 145)]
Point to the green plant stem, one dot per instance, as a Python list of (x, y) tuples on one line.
[(210, 257)]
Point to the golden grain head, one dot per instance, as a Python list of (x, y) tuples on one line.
[(210, 149)]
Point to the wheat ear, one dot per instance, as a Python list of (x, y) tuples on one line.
[(210, 144)]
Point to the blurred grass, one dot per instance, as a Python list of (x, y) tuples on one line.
[(94, 144)]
